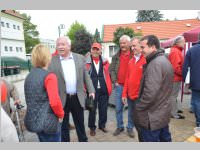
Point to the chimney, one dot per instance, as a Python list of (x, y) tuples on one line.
[(198, 15)]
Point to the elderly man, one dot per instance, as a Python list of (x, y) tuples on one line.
[(176, 59), (151, 113), (97, 67), (118, 69), (133, 78), (72, 76)]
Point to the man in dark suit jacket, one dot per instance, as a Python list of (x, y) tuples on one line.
[(72, 76)]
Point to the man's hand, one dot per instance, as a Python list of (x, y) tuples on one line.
[(60, 120), (124, 100), (17, 102), (116, 84), (92, 94)]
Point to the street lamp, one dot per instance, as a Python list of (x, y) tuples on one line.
[(61, 26)]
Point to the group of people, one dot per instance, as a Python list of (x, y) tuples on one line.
[(141, 75)]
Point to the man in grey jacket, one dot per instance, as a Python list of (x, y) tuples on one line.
[(72, 76), (152, 111)]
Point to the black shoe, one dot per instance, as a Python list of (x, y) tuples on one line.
[(104, 130), (191, 111), (118, 131), (180, 111), (179, 117), (130, 133), (92, 132)]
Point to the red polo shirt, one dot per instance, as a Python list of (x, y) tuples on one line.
[(124, 59)]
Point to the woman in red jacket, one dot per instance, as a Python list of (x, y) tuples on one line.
[(176, 59)]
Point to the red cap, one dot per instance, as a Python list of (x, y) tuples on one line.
[(97, 45)]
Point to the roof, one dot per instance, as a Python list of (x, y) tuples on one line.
[(162, 29), (13, 13)]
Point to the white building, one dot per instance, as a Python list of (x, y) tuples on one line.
[(51, 44), (12, 34)]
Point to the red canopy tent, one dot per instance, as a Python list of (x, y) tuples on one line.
[(190, 36)]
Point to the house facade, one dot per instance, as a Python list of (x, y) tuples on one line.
[(12, 34)]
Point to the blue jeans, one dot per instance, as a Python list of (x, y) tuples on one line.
[(44, 137), (196, 106), (131, 104), (119, 109), (160, 135)]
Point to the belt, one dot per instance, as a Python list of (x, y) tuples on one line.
[(71, 94)]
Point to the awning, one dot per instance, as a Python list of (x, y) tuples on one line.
[(167, 43), (13, 61), (192, 35)]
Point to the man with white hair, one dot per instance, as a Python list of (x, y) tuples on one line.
[(176, 59), (118, 69), (72, 75)]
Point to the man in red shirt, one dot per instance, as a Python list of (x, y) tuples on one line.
[(118, 69), (176, 59), (133, 78)]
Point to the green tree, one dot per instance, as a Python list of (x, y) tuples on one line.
[(124, 31), (97, 36), (76, 26), (30, 33), (82, 42), (149, 16)]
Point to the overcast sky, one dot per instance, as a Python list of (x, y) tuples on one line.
[(47, 21)]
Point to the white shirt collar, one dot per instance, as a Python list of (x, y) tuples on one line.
[(137, 57), (69, 57)]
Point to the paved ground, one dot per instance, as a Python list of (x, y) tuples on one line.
[(180, 129)]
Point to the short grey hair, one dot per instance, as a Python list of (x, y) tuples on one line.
[(125, 37), (136, 38), (66, 38), (178, 39)]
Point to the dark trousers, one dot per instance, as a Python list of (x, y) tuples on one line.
[(101, 100), (73, 106), (196, 106), (160, 135)]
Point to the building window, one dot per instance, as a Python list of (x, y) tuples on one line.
[(14, 26), (11, 49), (7, 25), (20, 49), (113, 50), (17, 49), (18, 27), (6, 48), (2, 24)]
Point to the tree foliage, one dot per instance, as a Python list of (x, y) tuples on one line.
[(124, 31), (97, 37), (30, 33), (149, 16), (82, 42), (76, 26)]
